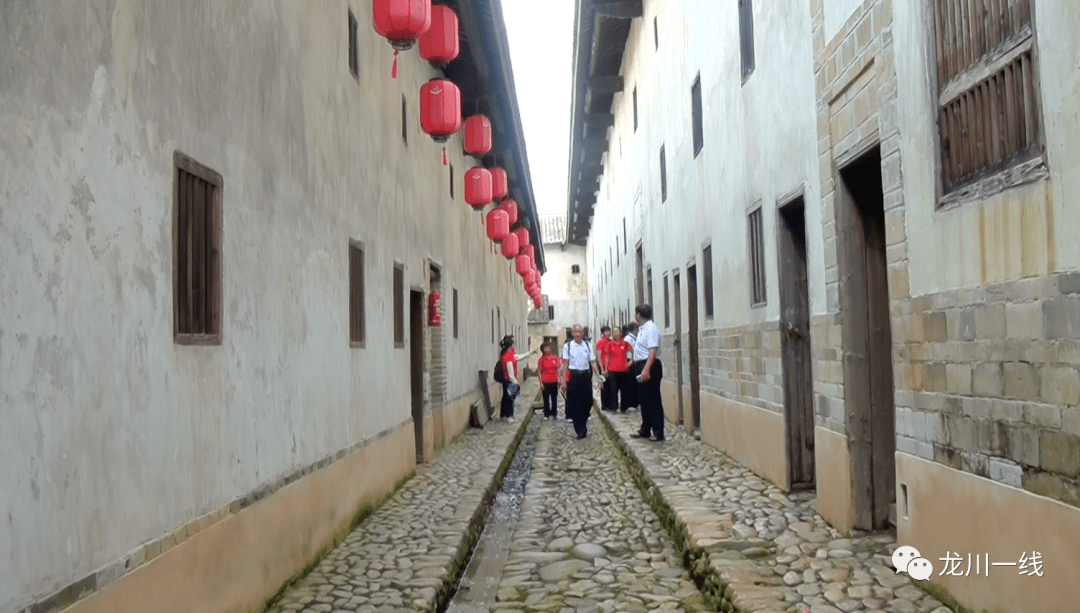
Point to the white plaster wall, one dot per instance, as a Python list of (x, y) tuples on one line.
[(944, 247), (759, 145), (114, 435)]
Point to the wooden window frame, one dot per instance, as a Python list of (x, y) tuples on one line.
[(212, 217), (357, 298), (663, 174), (451, 165), (404, 121), (759, 291), (697, 116), (707, 280), (978, 76), (667, 304), (398, 284), (354, 47), (455, 305), (656, 33), (746, 38)]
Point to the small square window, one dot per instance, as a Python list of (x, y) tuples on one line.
[(575, 269)]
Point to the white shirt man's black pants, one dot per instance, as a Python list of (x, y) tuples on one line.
[(579, 400)]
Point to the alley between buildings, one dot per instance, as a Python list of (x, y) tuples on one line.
[(606, 524)]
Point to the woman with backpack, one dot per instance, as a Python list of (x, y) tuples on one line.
[(506, 373)]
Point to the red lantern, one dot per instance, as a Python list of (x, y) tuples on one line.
[(478, 187), (440, 45), (523, 237), (522, 264), (433, 309), (401, 22), (530, 251), (440, 110), (510, 207), (478, 137), (499, 185), (510, 246), (498, 228)]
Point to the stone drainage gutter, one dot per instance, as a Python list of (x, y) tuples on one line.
[(460, 560), (729, 584)]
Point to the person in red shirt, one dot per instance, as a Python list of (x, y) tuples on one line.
[(618, 357), (607, 387), (549, 378)]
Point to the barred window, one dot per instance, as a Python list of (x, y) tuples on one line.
[(987, 97)]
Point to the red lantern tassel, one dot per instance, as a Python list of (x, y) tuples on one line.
[(393, 71), (444, 156)]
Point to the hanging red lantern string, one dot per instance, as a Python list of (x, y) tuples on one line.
[(401, 22), (478, 136), (440, 110), (441, 44)]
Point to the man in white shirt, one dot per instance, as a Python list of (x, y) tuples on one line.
[(649, 371), (580, 359), (629, 333)]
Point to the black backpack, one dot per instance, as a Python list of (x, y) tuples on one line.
[(500, 371)]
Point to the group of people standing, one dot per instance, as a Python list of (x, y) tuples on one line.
[(628, 367)]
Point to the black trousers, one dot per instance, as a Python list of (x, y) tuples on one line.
[(625, 382), (629, 394), (551, 399), (507, 407), (579, 400), (652, 407), (609, 394)]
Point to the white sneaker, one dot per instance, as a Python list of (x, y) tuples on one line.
[(569, 421), (510, 420)]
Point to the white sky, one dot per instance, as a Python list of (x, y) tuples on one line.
[(541, 46)]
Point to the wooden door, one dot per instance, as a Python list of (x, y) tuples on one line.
[(416, 363), (795, 347), (867, 340), (678, 346), (694, 420)]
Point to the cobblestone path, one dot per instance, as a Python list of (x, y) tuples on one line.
[(405, 555), (771, 552), (585, 539)]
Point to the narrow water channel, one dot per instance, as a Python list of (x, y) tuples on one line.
[(480, 583)]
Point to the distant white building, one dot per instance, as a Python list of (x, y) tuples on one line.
[(565, 286)]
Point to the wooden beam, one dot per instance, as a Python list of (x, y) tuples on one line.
[(606, 84), (627, 9), (600, 120)]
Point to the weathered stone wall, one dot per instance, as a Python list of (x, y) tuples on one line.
[(989, 382)]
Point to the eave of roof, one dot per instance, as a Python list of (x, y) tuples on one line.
[(484, 72), (601, 29)]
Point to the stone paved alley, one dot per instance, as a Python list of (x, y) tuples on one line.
[(584, 538)]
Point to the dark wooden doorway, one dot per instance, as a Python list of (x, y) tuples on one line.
[(867, 341), (678, 346), (795, 347), (694, 421), (416, 363)]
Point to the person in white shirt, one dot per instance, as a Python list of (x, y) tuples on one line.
[(580, 359), (649, 371)]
